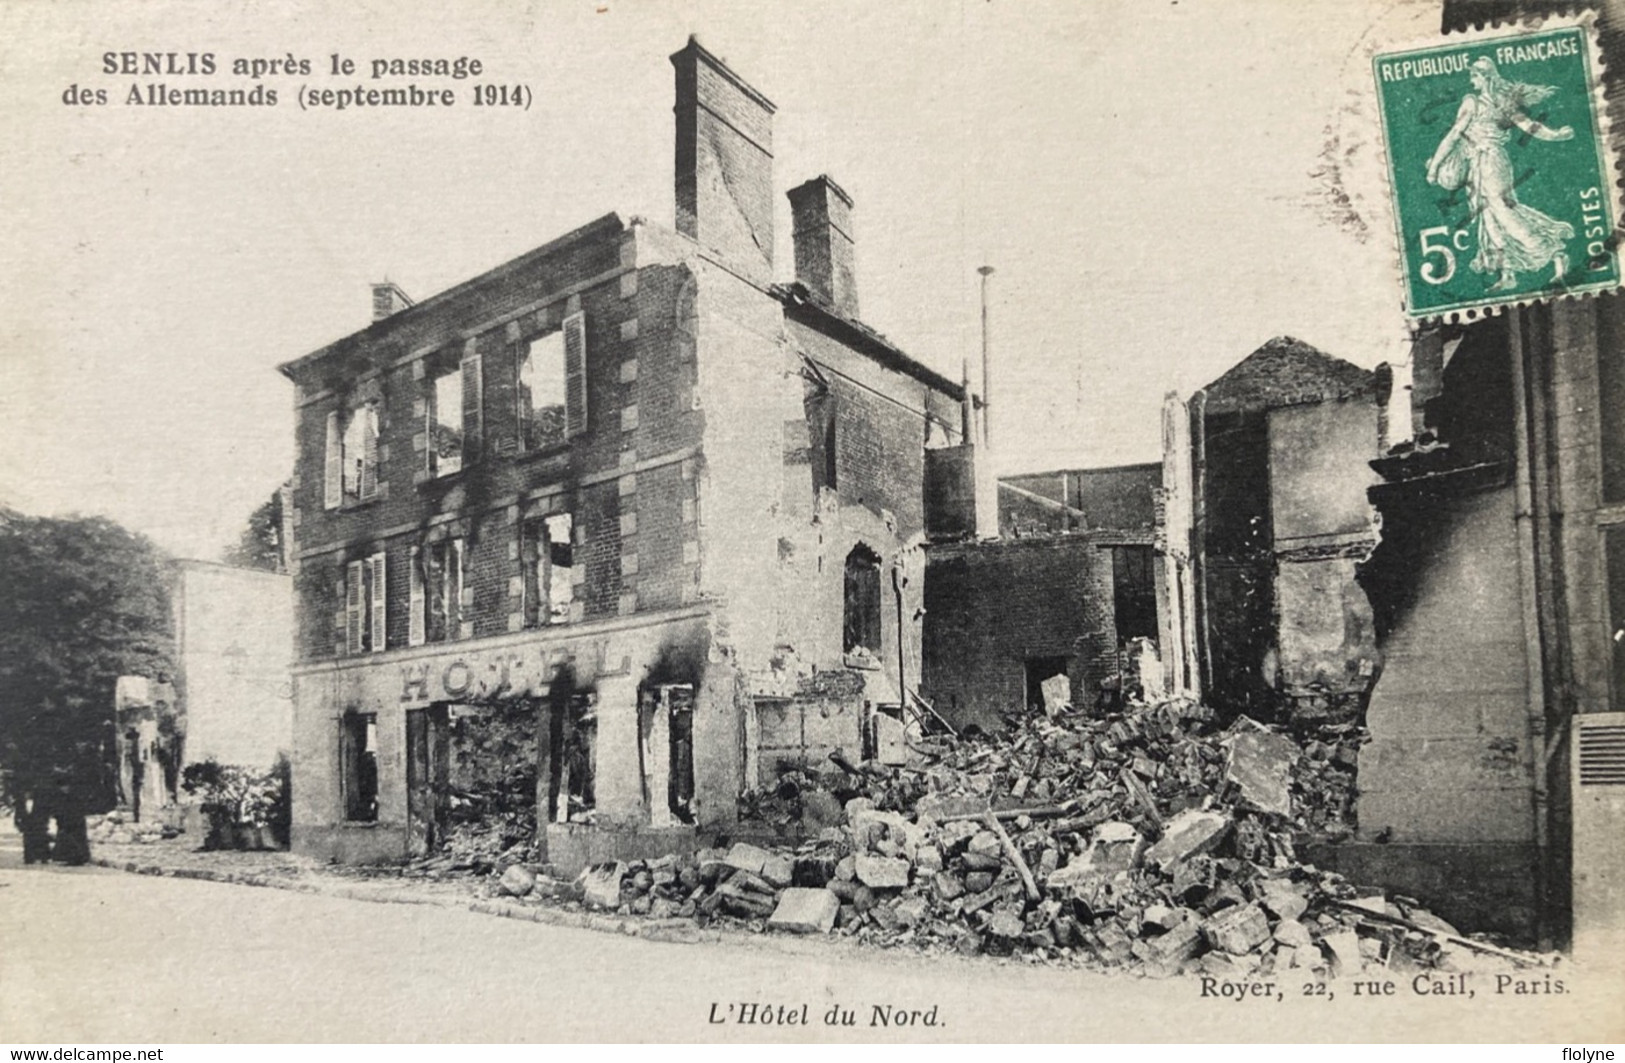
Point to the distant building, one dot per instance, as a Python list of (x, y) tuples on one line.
[(234, 652), (230, 699)]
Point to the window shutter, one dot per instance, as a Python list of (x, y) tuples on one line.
[(369, 450), (352, 607), (471, 408), (575, 374), (333, 480), (415, 628), (380, 633)]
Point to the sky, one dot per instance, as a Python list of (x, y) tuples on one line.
[(1160, 188)]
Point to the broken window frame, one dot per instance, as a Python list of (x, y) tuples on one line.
[(548, 575), (358, 450), (1134, 574), (358, 766), (440, 579), (542, 359), (453, 413)]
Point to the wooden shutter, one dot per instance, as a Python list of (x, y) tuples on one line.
[(352, 607), (369, 450), (416, 631), (380, 633), (333, 478), (575, 374), (472, 391)]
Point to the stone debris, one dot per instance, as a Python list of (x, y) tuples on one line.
[(517, 881), (601, 885), (1260, 764), (805, 911), (1143, 841)]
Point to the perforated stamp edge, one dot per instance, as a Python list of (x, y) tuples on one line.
[(1568, 17)]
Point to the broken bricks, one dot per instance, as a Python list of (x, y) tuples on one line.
[(1188, 834), (1238, 929), (882, 872)]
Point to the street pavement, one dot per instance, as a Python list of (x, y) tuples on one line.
[(94, 955)]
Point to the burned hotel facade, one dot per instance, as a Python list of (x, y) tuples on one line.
[(659, 513)]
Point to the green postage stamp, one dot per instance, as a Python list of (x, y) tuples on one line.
[(1500, 173)]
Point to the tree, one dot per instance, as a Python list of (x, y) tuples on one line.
[(85, 602), (260, 545)]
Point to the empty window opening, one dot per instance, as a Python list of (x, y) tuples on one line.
[(443, 589), (820, 410), (547, 561), (1134, 592), (861, 615), (1038, 670), (542, 394), (358, 762), (446, 423)]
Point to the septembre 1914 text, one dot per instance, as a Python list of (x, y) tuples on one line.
[(333, 83)]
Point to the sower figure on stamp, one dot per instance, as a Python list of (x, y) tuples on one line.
[(1512, 238)]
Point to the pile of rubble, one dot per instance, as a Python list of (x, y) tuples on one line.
[(121, 828), (1139, 841)]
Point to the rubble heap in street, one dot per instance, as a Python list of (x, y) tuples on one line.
[(1146, 840)]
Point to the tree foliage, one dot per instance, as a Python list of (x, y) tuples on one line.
[(84, 602), (260, 545)]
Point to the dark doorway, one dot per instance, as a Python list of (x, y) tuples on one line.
[(666, 751), (1038, 670), (358, 766), (567, 750), (427, 771), (861, 616)]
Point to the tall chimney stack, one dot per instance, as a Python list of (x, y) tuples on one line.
[(387, 299), (724, 178), (821, 219)]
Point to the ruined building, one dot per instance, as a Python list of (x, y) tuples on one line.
[(1499, 591), (1267, 521), (1069, 587), (622, 521)]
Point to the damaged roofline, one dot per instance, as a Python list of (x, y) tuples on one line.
[(1125, 467), (605, 225), (799, 306), (1040, 499)]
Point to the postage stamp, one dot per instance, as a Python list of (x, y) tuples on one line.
[(1498, 169)]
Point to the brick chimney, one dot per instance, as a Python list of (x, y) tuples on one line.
[(724, 162), (387, 299), (821, 225)]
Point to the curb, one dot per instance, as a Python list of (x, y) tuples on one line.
[(671, 931)]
